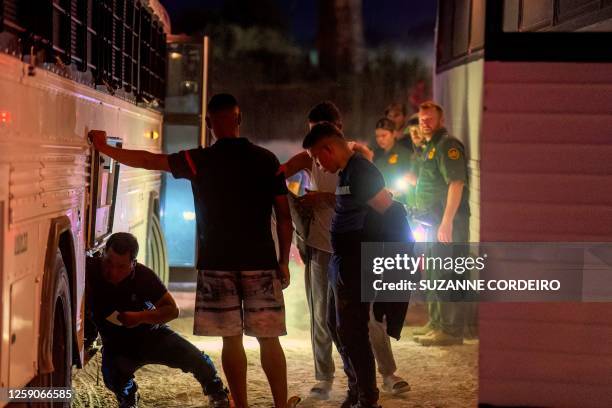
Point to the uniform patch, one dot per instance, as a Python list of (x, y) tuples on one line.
[(454, 154), (393, 159), (431, 153), (343, 190)]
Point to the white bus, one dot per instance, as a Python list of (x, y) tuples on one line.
[(67, 66), (527, 86)]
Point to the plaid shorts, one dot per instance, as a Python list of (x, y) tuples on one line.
[(229, 303)]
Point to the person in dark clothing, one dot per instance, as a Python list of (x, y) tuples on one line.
[(393, 160), (130, 306), (240, 276), (360, 190)]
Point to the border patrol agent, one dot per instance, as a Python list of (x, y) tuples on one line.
[(392, 159), (442, 205)]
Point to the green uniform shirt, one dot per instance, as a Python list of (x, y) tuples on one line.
[(394, 165), (414, 168), (442, 161)]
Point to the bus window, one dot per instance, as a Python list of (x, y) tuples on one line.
[(460, 27), (548, 30), (557, 15), (104, 183)]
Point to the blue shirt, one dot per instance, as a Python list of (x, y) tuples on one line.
[(358, 183)]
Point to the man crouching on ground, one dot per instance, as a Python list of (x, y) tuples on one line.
[(130, 307)]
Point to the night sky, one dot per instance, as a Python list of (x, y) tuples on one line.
[(386, 21)]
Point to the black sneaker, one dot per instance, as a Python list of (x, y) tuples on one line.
[(219, 399), (131, 401), (349, 401)]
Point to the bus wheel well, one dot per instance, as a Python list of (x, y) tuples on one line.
[(59, 244), (66, 248)]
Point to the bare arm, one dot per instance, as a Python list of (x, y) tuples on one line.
[(284, 231), (165, 310), (381, 201), (301, 161), (318, 199), (363, 149), (133, 158), (453, 199)]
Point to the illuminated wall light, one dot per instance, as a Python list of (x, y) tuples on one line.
[(152, 134), (175, 55), (188, 215)]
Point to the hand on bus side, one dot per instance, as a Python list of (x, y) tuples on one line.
[(97, 138)]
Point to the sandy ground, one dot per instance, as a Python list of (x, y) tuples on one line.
[(439, 377)]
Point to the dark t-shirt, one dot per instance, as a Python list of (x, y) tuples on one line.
[(139, 291), (358, 182), (234, 183)]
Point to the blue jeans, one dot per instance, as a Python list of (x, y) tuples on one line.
[(121, 359)]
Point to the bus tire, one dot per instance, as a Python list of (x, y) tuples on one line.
[(61, 376), (157, 258)]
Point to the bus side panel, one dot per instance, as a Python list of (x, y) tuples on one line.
[(546, 176), (44, 152), (4, 310), (459, 92), (136, 185)]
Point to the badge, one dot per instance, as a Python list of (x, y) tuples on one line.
[(393, 159), (454, 154), (431, 154)]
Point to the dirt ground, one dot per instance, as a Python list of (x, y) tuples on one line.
[(439, 377)]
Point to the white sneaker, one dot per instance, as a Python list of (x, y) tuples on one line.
[(320, 390), (395, 385)]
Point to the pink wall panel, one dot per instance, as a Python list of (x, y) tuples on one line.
[(546, 175)]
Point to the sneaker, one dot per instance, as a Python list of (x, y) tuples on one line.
[(420, 331), (439, 338), (417, 339), (219, 399), (130, 401), (349, 401), (395, 385), (321, 390)]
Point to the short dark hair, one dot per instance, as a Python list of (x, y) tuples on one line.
[(414, 120), (431, 105), (122, 243), (396, 106), (222, 101), (325, 112), (386, 124), (321, 131)]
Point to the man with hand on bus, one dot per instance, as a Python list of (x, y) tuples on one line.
[(240, 279), (129, 306)]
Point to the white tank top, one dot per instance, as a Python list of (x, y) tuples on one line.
[(319, 236)]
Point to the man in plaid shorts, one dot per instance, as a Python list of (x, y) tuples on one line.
[(240, 278)]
